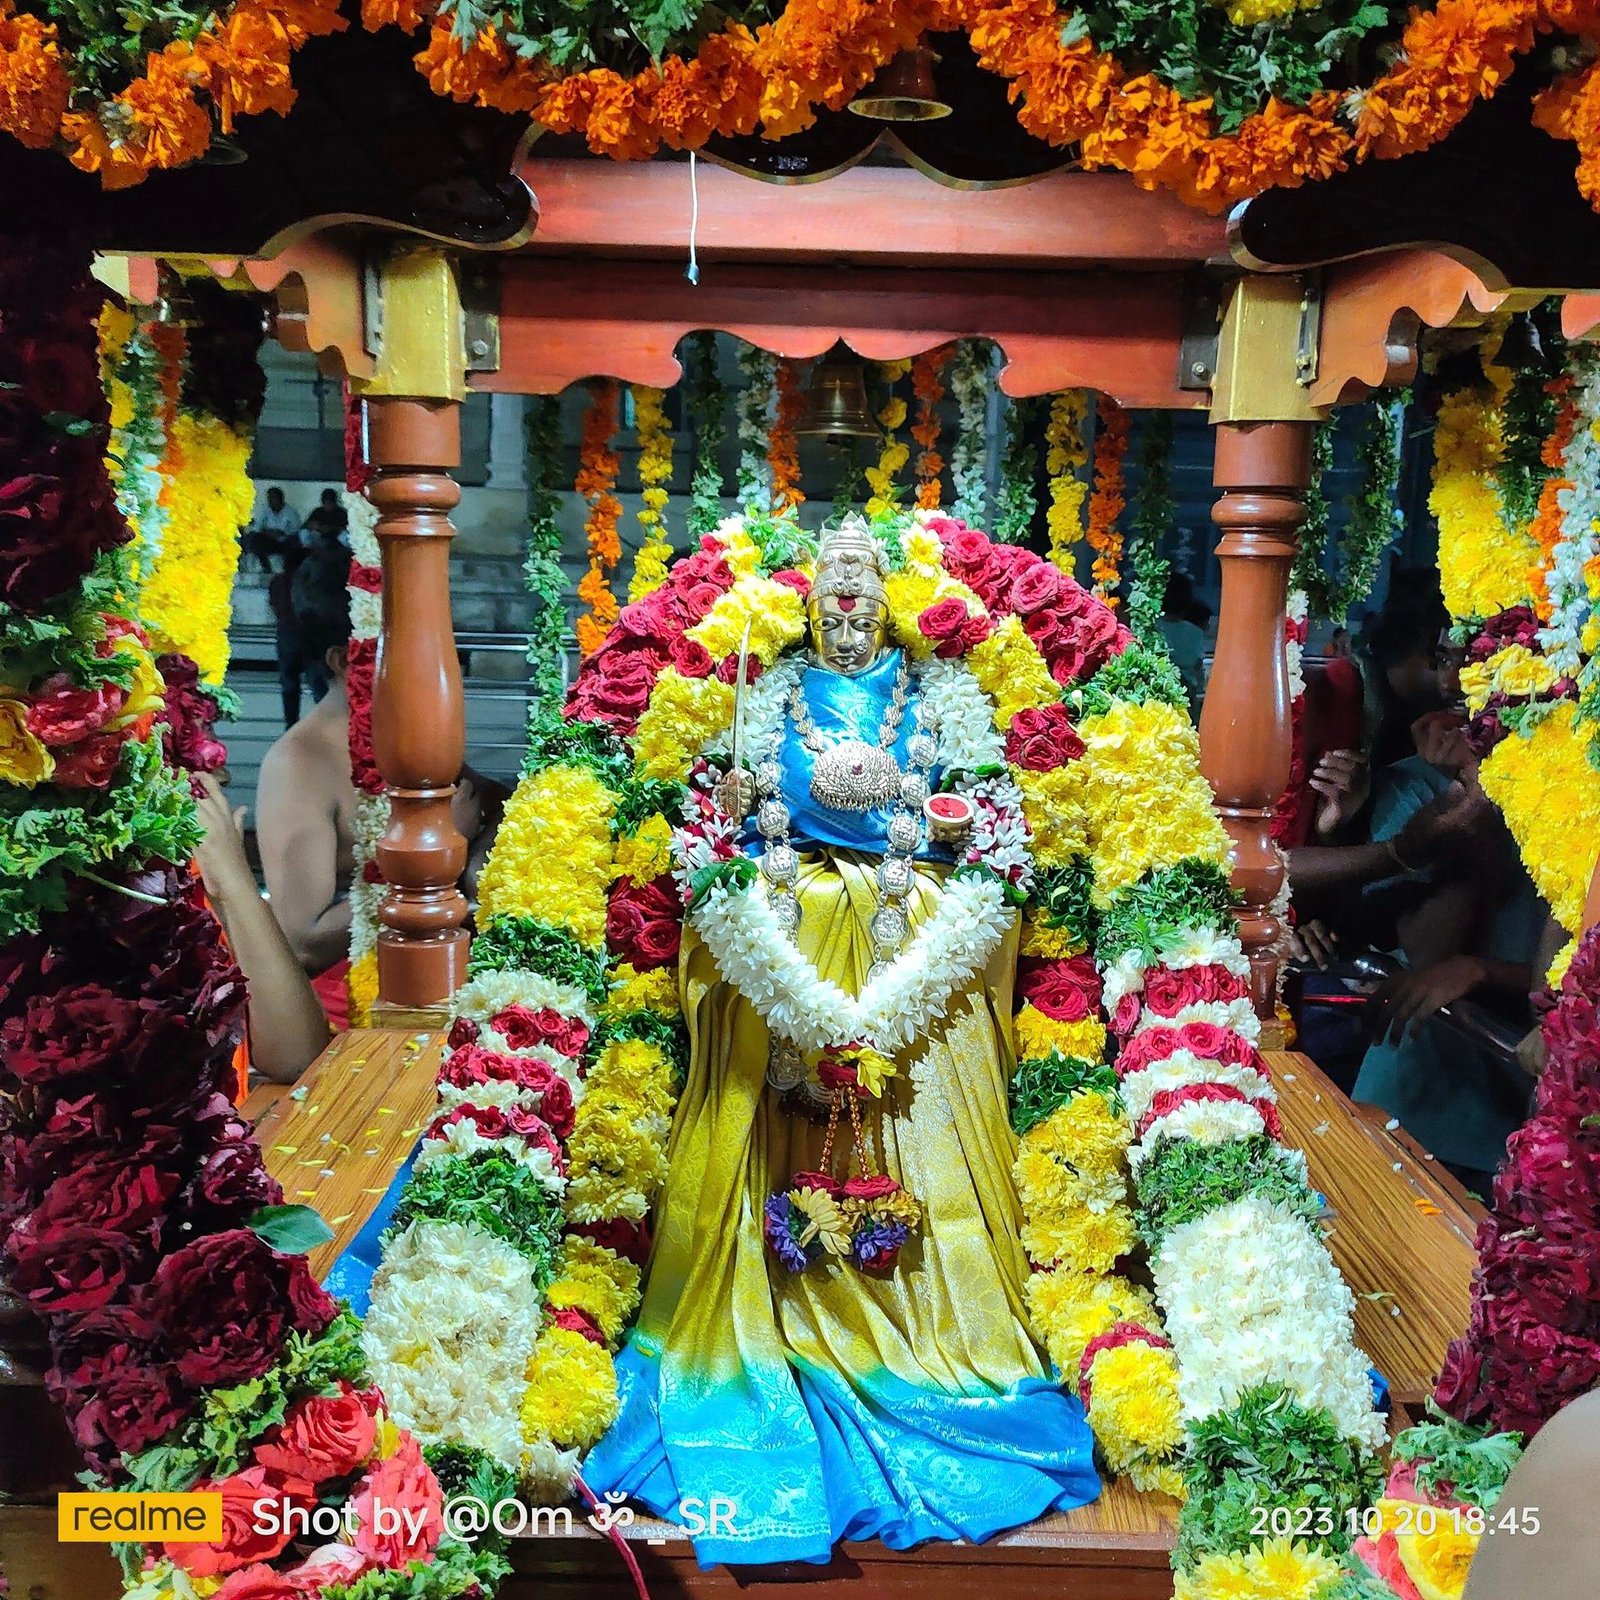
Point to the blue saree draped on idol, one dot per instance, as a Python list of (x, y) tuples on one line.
[(777, 1412)]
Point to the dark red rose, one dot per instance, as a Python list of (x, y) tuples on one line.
[(321, 1437), (61, 375), (1042, 738), (120, 1394), (1067, 991), (82, 1029), (93, 764), (945, 624), (54, 521), (644, 922), (310, 1305), (61, 714), (188, 716), (231, 1174), (369, 580), (690, 657), (75, 1268), (574, 1321), (523, 1028), (630, 1240), (824, 1181), (221, 1302), (615, 685), (728, 669), (463, 1031), (105, 1192)]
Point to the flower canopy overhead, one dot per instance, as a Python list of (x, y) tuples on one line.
[(1216, 99)]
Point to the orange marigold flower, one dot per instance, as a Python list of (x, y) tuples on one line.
[(34, 85)]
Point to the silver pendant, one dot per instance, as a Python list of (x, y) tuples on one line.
[(853, 776)]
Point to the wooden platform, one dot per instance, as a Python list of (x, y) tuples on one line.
[(1401, 1233)]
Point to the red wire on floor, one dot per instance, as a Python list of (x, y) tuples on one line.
[(611, 1532)]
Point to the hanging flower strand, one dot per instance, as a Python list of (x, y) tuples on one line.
[(1017, 503), (706, 399), (783, 448), (928, 387), (1066, 456), (969, 383), (655, 471), (541, 567), (1154, 513), (1107, 500), (597, 478), (894, 454), (755, 408)]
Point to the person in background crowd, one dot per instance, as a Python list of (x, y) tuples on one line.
[(1185, 637), (305, 800), (1339, 645), (287, 1027), (275, 531), (299, 665), (329, 521)]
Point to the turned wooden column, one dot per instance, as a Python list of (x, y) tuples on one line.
[(419, 731), (413, 407), (1262, 469)]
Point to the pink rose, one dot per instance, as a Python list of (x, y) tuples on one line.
[(964, 547), (1042, 738), (791, 579), (615, 685), (1036, 588), (1126, 1017), (690, 657), (241, 1544), (523, 1028), (951, 629), (574, 1321), (824, 1181), (322, 1437), (1065, 991), (333, 1563), (404, 1484), (262, 1583), (874, 1188)]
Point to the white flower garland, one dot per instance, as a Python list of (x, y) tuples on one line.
[(1183, 1068), (756, 404), (753, 953), (968, 738), (1205, 1122), (1289, 1316), (490, 993), (371, 819), (1126, 974), (462, 1138), (1299, 609), (1236, 1014), (969, 384), (452, 1324)]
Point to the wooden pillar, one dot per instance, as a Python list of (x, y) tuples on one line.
[(1263, 461), (418, 713)]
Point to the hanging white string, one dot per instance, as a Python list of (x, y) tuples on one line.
[(692, 271)]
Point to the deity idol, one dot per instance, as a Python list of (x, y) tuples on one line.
[(833, 1341)]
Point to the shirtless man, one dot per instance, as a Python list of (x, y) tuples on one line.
[(305, 801)]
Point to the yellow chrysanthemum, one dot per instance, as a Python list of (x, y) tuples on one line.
[(656, 990), (1039, 939), (1215, 1577), (1086, 1131), (1134, 1404), (1515, 670), (24, 760), (1437, 1562), (646, 854), (1158, 1478), (596, 1281), (1282, 1569), (186, 599), (571, 1398), (362, 984), (552, 855), (1051, 803), (775, 613), (1037, 1035), (1550, 795), (1065, 456), (1068, 1309), (1010, 670), (1078, 1238), (655, 470), (682, 714), (1252, 13), (1146, 802)]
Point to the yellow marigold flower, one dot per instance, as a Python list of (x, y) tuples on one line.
[(1079, 1238), (571, 1398), (682, 714), (646, 854), (1134, 1405), (596, 1281), (1158, 1478), (1146, 802), (1069, 1309), (552, 856), (24, 760), (1251, 13), (1011, 672), (775, 614), (656, 990), (1037, 1035), (362, 984), (1215, 1577)]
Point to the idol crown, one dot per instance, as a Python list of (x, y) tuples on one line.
[(850, 562)]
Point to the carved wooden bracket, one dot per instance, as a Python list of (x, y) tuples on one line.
[(317, 290)]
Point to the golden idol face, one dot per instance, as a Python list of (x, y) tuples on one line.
[(848, 632)]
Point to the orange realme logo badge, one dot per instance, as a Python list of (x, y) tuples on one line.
[(112, 1518)]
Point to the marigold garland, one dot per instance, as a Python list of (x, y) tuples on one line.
[(1107, 500), (783, 448), (893, 454), (1066, 455), (928, 388), (655, 471), (596, 482)]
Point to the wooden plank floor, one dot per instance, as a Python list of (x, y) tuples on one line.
[(1401, 1233)]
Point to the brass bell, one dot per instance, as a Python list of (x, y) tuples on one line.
[(836, 400), (903, 91)]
